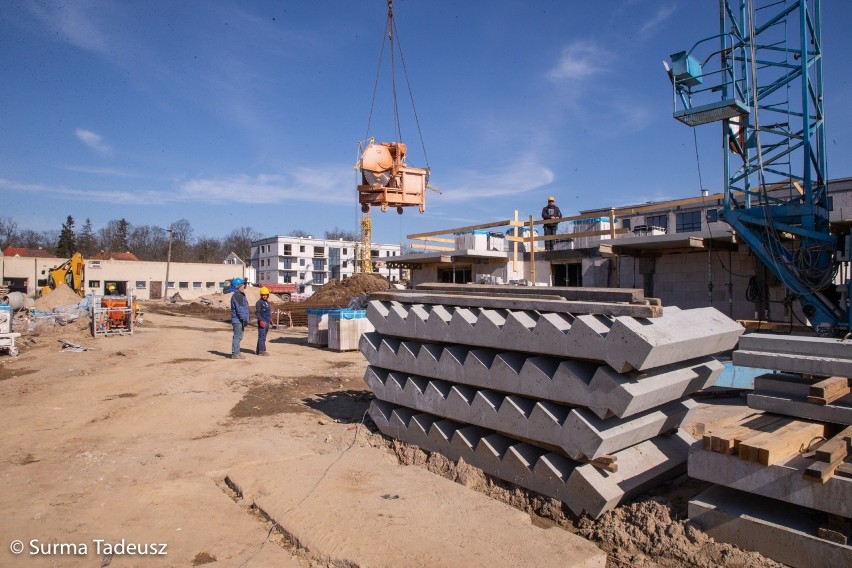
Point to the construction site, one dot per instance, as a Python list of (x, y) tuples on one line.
[(589, 404)]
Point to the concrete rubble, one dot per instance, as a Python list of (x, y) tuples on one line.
[(583, 408)]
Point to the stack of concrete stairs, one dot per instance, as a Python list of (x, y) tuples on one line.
[(798, 509), (574, 393)]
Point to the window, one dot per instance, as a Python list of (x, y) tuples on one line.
[(301, 262), (302, 248), (319, 251), (345, 251), (319, 278), (288, 250), (661, 221), (183, 285), (301, 276), (319, 264), (196, 285), (712, 215), (625, 223), (92, 284), (141, 284), (210, 284), (688, 222), (171, 284)]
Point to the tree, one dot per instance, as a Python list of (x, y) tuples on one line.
[(300, 233), (148, 242), (337, 233), (239, 241), (87, 243), (113, 237), (208, 250), (181, 240), (8, 232), (67, 245)]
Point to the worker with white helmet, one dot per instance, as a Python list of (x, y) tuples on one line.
[(264, 316), (239, 315), (550, 211)]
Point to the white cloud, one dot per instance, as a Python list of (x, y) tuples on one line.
[(524, 175), (72, 22), (578, 61), (93, 140), (662, 14)]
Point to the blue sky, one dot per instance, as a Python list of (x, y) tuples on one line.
[(233, 114)]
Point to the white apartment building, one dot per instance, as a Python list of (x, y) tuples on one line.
[(309, 263)]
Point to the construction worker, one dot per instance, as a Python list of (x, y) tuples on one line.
[(264, 317), (550, 211), (239, 315), (111, 290)]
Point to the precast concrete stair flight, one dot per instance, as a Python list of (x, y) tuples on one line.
[(622, 342), (583, 487), (577, 383), (576, 431)]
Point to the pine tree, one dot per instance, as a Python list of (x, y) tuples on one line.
[(66, 245), (121, 244), (86, 242)]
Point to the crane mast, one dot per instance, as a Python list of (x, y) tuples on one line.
[(766, 62)]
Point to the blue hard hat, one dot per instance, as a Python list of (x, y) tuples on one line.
[(237, 282)]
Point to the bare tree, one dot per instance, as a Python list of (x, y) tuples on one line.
[(300, 233), (114, 237), (239, 241), (209, 250), (148, 242), (337, 233), (8, 232)]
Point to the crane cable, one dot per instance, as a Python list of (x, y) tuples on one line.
[(391, 36)]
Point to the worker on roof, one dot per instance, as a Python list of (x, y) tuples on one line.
[(550, 211), (264, 317), (239, 315)]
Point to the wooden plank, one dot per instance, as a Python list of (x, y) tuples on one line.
[(431, 247), (821, 471), (835, 448), (437, 240), (505, 223), (770, 447), (721, 438), (525, 303), (844, 470), (572, 293), (828, 390)]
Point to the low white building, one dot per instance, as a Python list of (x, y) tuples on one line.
[(309, 263), (146, 280)]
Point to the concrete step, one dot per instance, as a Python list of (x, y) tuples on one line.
[(576, 431), (624, 343), (577, 383), (583, 487)]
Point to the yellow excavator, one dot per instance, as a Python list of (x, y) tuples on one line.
[(70, 272)]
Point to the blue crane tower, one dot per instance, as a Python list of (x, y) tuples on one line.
[(761, 76)]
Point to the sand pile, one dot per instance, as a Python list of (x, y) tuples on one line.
[(341, 291), (62, 295)]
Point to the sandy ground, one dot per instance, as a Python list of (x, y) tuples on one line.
[(131, 440)]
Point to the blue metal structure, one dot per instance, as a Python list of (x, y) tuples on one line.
[(766, 63)]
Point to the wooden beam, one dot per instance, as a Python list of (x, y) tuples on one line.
[(436, 240), (431, 247), (563, 236), (667, 205), (461, 229), (828, 390)]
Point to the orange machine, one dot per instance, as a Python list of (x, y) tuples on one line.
[(386, 181)]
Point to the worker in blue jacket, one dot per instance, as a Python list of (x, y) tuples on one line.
[(239, 315), (264, 316)]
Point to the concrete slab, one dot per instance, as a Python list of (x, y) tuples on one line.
[(576, 431), (623, 342), (785, 533), (794, 363), (582, 487), (799, 408), (782, 481), (577, 383), (797, 345), (795, 386), (337, 505), (631, 295)]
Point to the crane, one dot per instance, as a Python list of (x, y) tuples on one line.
[(386, 180), (766, 63)]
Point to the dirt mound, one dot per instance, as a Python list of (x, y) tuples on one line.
[(62, 295), (339, 292)]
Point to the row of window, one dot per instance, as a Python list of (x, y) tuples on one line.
[(142, 285), (686, 222)]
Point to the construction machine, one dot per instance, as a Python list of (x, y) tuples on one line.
[(385, 179), (70, 272), (761, 77)]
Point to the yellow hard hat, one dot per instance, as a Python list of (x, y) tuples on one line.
[(551, 198), (111, 287), (264, 291)]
